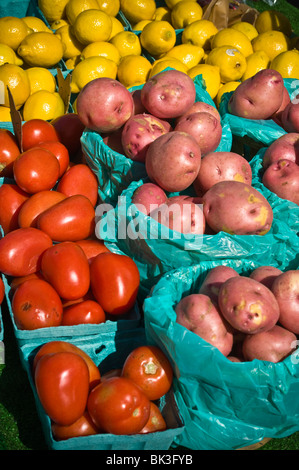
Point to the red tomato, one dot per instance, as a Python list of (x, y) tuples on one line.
[(79, 179), (114, 281), (111, 373), (118, 406), (36, 170), (69, 129), (36, 304), (62, 385), (2, 290), (35, 205), (150, 369), (92, 247), (60, 152), (9, 151), (11, 200), (16, 281), (21, 250), (71, 219), (156, 422), (84, 426), (88, 296), (35, 131), (87, 311), (65, 266)]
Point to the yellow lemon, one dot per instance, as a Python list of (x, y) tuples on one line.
[(161, 64), (71, 46), (12, 31), (91, 26), (255, 62), (36, 24), (5, 114), (269, 20), (233, 38), (158, 37), (199, 33), (90, 69), (231, 62), (8, 56), (140, 25), (117, 27), (72, 62), (41, 49), (162, 13), (111, 7), (14, 77), (272, 42), (184, 13), (127, 43), (137, 10), (43, 105), (172, 3), (189, 54), (41, 79), (211, 76), (287, 64), (52, 9), (225, 88), (246, 28), (101, 48), (75, 7), (133, 70), (58, 23)]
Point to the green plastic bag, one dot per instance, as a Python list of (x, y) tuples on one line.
[(225, 405)]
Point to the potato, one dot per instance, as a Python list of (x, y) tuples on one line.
[(248, 305), (282, 178), (259, 96), (138, 106), (214, 279), (265, 275), (237, 208), (277, 116), (197, 313), (285, 147), (290, 116), (285, 288), (113, 140), (273, 345), (221, 166), (201, 106), (147, 196)]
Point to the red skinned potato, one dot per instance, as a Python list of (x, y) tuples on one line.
[(113, 140), (290, 116), (197, 313), (221, 166), (277, 116), (258, 97), (173, 161), (273, 345), (237, 208), (138, 106), (286, 291), (201, 107), (265, 275), (248, 305), (148, 196), (282, 178), (168, 94), (214, 279), (285, 147)]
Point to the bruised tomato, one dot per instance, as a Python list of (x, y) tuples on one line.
[(84, 426), (87, 311), (79, 179), (92, 247), (36, 131), (69, 129), (60, 152), (9, 151), (11, 200), (35, 205), (156, 422)]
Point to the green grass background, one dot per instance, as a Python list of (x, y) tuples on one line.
[(20, 428)]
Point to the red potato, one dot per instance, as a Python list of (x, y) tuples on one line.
[(221, 166), (197, 313), (265, 275), (248, 305), (290, 116), (138, 106), (237, 208), (285, 101), (258, 97), (104, 105), (282, 178), (201, 107), (273, 345), (286, 291), (285, 147), (148, 196), (173, 161), (168, 94), (214, 279), (113, 140)]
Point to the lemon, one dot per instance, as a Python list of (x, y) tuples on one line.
[(91, 26), (246, 28), (36, 24), (162, 13), (52, 9), (158, 37), (75, 7), (255, 62), (58, 23), (287, 64), (8, 56), (127, 43), (225, 88), (101, 48), (161, 64), (184, 13), (14, 77), (272, 42), (41, 49), (71, 46), (269, 20), (199, 33), (111, 7), (43, 105), (133, 70), (140, 25), (233, 38), (172, 3), (137, 10), (231, 62), (5, 114), (189, 54), (117, 27), (12, 31), (90, 69), (41, 79), (211, 76), (72, 62)]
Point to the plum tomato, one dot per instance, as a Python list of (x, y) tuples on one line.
[(16, 281), (84, 426), (2, 290), (11, 200), (118, 406), (114, 281), (87, 311), (60, 152), (79, 179), (36, 131), (92, 247), (69, 129), (9, 151), (35, 304), (62, 385), (156, 422), (35, 205), (149, 368)]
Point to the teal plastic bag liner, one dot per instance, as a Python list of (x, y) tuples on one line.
[(225, 405)]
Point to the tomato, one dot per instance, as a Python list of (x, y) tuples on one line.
[(87, 311), (79, 179), (84, 426), (65, 266), (118, 406), (21, 250), (35, 205), (156, 422), (67, 302), (2, 290), (35, 304), (71, 219), (9, 151), (11, 200), (36, 170), (111, 373), (114, 281), (16, 281), (59, 346), (69, 129), (35, 131), (149, 368), (60, 152), (92, 247), (62, 385)]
